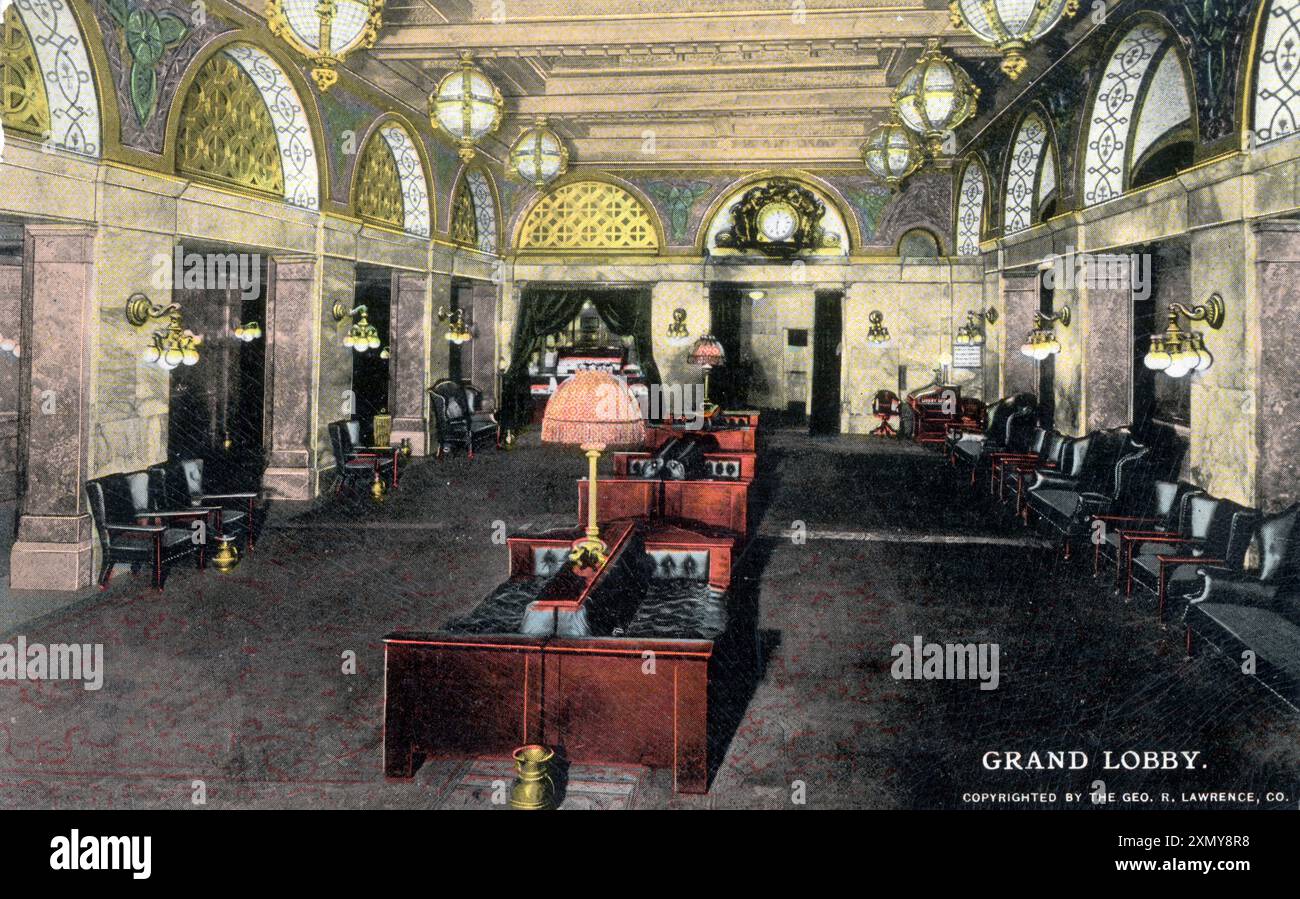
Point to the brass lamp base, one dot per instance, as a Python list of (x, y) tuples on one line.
[(589, 552)]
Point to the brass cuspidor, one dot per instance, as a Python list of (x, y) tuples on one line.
[(533, 788)]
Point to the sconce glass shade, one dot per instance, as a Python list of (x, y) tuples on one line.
[(539, 156), (1011, 25), (466, 106), (707, 352), (325, 32), (892, 153), (248, 332), (935, 96)]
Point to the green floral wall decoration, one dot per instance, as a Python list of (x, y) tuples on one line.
[(147, 35), (869, 203), (677, 198)]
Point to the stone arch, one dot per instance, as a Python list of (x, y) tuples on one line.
[(475, 218), (972, 208), (67, 73), (294, 124), (390, 147), (1142, 97), (841, 221), (1275, 84), (586, 212), (1033, 150)]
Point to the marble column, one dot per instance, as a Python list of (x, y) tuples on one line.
[(11, 295), (55, 530), (483, 364), (1278, 283), (411, 328), (1105, 328), (1019, 306), (290, 344)]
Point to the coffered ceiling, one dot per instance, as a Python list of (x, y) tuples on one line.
[(671, 83)]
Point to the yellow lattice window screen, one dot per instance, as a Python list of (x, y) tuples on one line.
[(24, 106), (464, 224), (379, 186), (588, 215), (226, 132)]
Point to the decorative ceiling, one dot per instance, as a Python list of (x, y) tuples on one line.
[(667, 84)]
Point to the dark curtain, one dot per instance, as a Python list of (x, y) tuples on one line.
[(544, 312)]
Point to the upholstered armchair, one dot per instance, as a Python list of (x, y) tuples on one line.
[(456, 424), (351, 470), (1277, 539), (127, 534), (1158, 510), (1087, 468), (1070, 511), (383, 460), (235, 512), (1018, 470), (1008, 424), (1212, 532)]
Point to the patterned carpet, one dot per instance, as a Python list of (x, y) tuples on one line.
[(235, 690)]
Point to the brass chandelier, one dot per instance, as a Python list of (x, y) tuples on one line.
[(892, 153), (1011, 25), (325, 31), (934, 97), (169, 347), (1042, 340), (466, 106), (539, 156)]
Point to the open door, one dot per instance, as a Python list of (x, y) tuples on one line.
[(828, 332)]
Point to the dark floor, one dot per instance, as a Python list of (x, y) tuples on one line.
[(237, 681)]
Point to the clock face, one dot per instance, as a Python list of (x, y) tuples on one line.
[(778, 221)]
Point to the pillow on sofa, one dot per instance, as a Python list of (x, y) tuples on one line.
[(689, 564)]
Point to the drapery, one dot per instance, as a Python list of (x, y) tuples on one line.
[(547, 311)]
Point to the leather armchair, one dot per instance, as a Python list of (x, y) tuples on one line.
[(1069, 511), (131, 531), (1087, 468), (1008, 427), (1212, 532), (1019, 470), (351, 470), (1157, 510), (234, 512), (455, 421), (1278, 539)]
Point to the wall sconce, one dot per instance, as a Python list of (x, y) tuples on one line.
[(1042, 340), (678, 333), (877, 334), (757, 294), (11, 346), (362, 336), (972, 333), (1177, 352), (170, 347), (385, 354), (248, 332), (457, 331)]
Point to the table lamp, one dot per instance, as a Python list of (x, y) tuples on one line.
[(707, 353), (593, 409)]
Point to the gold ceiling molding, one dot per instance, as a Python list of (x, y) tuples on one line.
[(226, 133), (378, 185), (24, 106), (589, 215)]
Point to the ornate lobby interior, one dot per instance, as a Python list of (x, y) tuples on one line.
[(878, 323)]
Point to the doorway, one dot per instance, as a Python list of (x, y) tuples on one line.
[(216, 407), (828, 334), (728, 384), (370, 374), (461, 300)]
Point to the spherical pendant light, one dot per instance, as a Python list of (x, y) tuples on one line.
[(466, 106), (892, 153), (935, 96), (325, 32), (539, 156), (1011, 25)]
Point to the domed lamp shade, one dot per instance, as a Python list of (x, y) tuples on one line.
[(708, 354), (935, 96), (325, 32), (593, 410), (539, 156), (1011, 25), (892, 153), (466, 106)]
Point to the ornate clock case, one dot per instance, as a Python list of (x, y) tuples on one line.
[(747, 216)]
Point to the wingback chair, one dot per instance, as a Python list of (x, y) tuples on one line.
[(236, 511), (458, 419)]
